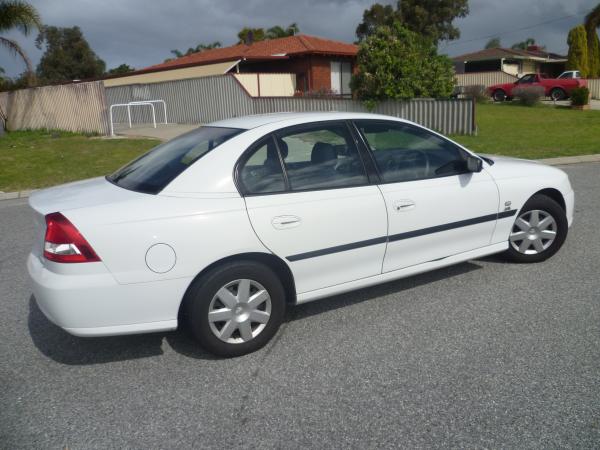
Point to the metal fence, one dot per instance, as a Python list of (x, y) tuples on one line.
[(194, 100), (594, 87), (203, 100), (484, 78), (72, 107)]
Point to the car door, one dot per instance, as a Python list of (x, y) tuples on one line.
[(310, 202), (435, 207)]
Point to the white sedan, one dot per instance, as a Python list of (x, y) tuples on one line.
[(224, 227)]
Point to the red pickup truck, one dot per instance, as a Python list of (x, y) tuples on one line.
[(555, 88)]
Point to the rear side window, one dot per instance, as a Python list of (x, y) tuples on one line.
[(321, 157), (261, 173), (153, 171)]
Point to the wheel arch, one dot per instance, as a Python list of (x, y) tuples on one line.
[(275, 263), (555, 195)]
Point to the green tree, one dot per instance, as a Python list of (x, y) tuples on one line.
[(12, 84), (68, 56), (123, 68), (279, 32), (248, 35), (429, 18), (20, 15), (493, 43), (396, 63), (592, 22), (377, 15), (578, 51), (526, 43)]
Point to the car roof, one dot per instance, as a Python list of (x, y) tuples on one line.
[(294, 118)]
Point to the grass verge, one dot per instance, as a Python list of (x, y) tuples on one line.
[(36, 159), (534, 132)]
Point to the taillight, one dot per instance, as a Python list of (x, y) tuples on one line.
[(64, 243)]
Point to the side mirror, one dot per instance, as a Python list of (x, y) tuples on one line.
[(474, 164)]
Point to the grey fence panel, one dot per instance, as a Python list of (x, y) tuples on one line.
[(194, 100), (203, 100), (484, 78), (72, 107), (594, 87), (447, 116)]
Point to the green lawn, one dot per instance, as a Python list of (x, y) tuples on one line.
[(534, 132), (35, 159)]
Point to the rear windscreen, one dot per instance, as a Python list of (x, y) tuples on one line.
[(151, 172)]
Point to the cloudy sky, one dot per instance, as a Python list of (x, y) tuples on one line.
[(142, 32)]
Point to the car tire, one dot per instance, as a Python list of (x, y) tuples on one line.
[(538, 232), (226, 292), (558, 94), (499, 95)]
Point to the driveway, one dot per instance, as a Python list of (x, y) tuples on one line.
[(594, 104), (484, 354)]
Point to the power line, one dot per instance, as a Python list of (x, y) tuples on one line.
[(489, 36)]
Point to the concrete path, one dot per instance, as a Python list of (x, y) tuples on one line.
[(162, 131)]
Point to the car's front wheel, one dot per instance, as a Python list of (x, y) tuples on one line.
[(539, 230), (236, 308)]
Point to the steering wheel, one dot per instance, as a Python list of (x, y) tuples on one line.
[(415, 160), (348, 166)]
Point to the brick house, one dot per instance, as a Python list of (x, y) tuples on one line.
[(317, 63)]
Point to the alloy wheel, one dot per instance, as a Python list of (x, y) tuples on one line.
[(239, 311), (533, 232)]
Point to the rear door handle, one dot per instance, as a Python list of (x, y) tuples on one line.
[(283, 222), (404, 205)]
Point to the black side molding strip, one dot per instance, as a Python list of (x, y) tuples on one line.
[(338, 248), (401, 236), (451, 226)]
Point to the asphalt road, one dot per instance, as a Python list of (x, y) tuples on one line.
[(480, 355)]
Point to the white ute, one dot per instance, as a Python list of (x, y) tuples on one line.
[(225, 226)]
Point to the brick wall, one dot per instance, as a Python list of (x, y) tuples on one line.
[(313, 72)]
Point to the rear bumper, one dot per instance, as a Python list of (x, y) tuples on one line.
[(90, 302)]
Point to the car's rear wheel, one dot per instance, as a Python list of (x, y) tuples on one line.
[(557, 94), (236, 308), (499, 95), (538, 232)]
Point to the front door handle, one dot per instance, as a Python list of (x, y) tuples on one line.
[(283, 222), (404, 205)]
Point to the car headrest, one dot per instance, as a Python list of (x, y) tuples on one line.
[(322, 152)]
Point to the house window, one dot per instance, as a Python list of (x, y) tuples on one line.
[(340, 77)]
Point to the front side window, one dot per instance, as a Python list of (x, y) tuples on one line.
[(153, 171), (321, 157), (406, 153)]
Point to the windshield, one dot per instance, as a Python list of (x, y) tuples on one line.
[(151, 172)]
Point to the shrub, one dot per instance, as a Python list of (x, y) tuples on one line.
[(477, 92), (528, 96), (580, 96), (395, 63)]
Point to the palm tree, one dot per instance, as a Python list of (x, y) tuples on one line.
[(22, 16)]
